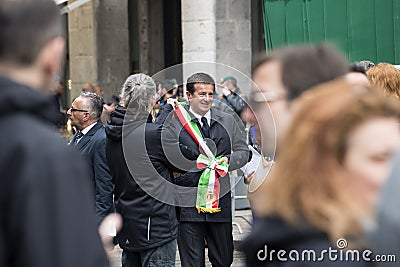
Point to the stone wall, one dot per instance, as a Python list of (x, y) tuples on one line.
[(99, 45), (218, 31), (233, 23)]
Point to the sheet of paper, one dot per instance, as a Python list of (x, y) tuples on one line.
[(260, 167), (252, 165)]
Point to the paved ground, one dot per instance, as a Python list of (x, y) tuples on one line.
[(242, 217)]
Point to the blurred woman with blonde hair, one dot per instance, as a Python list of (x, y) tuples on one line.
[(332, 163)]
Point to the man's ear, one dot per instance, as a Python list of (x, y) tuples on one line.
[(52, 56), (86, 117), (188, 95)]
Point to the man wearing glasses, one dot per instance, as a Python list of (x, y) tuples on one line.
[(282, 76), (90, 140), (279, 78)]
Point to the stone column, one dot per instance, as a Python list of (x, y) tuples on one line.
[(112, 44), (151, 36), (198, 33), (233, 23), (82, 47), (218, 31), (99, 45)]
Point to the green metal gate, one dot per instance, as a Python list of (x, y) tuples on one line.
[(362, 29)]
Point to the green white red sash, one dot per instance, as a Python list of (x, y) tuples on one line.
[(208, 188)]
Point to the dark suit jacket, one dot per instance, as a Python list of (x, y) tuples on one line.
[(228, 139), (93, 147)]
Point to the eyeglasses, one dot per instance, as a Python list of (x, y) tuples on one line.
[(79, 110), (268, 96), (257, 99)]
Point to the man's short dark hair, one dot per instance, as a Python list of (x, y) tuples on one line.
[(25, 28), (199, 77), (260, 60), (94, 105), (304, 66)]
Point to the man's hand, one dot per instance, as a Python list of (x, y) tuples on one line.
[(109, 228), (249, 177), (226, 91), (223, 159), (176, 175), (172, 101)]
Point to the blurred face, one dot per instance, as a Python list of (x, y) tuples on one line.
[(229, 86), (88, 87), (368, 158), (271, 113), (48, 64), (78, 115), (98, 90), (201, 99)]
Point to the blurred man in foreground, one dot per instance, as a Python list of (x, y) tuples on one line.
[(47, 214)]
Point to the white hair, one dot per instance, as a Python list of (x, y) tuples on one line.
[(138, 92)]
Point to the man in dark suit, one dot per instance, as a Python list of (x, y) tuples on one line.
[(225, 137), (90, 140)]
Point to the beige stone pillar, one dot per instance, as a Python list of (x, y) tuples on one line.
[(218, 31), (99, 45)]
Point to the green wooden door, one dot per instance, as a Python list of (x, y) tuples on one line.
[(362, 29)]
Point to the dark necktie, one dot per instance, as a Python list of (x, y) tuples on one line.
[(205, 128), (76, 138)]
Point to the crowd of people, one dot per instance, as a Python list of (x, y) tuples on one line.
[(160, 156)]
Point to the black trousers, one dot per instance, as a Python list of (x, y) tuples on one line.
[(163, 256), (191, 243)]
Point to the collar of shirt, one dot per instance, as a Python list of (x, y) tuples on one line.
[(87, 129), (197, 116)]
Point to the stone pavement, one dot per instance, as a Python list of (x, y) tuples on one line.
[(242, 218)]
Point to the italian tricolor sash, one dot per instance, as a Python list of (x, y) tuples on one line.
[(208, 188)]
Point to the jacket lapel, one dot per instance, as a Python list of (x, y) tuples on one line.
[(87, 137), (215, 116)]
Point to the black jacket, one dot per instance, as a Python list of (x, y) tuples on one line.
[(140, 173), (272, 234), (235, 100), (228, 139), (93, 147), (47, 217)]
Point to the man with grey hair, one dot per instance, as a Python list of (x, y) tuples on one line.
[(142, 177), (90, 140)]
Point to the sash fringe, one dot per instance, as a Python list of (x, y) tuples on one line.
[(208, 210)]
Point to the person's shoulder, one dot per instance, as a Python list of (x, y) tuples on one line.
[(30, 129), (153, 129), (34, 138), (100, 132), (226, 116), (216, 111), (99, 136)]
